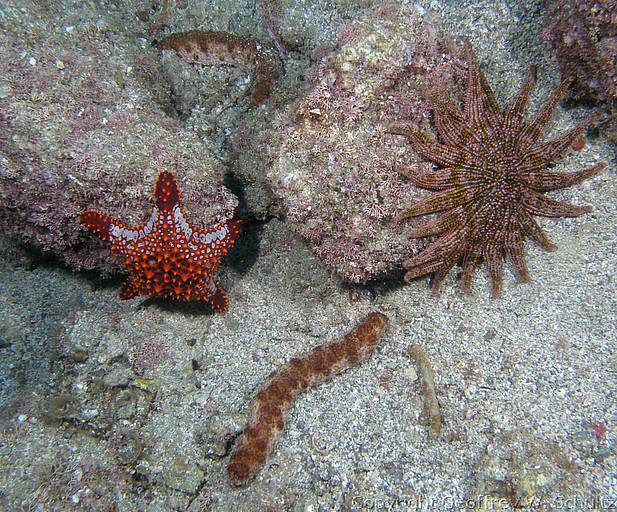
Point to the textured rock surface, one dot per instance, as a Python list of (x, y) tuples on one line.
[(83, 127), (583, 34), (329, 156)]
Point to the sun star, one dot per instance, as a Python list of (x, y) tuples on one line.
[(493, 173)]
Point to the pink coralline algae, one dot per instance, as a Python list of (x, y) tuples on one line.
[(583, 34), (330, 159), (82, 125)]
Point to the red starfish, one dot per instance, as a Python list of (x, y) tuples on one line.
[(166, 256)]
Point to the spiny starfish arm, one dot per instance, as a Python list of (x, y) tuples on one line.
[(471, 262), (513, 118), (480, 103), (436, 179), (493, 260), (434, 254), (445, 222), (218, 239), (128, 290), (443, 271), (549, 151), (514, 252), (449, 121), (532, 132), (537, 204), (429, 148), (531, 230), (218, 300), (545, 181), (166, 192), (442, 200), (414, 271), (100, 224)]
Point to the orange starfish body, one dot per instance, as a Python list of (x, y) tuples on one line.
[(166, 256)]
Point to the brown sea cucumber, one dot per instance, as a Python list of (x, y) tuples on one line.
[(213, 47), (427, 379), (273, 402)]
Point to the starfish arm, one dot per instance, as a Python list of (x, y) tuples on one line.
[(531, 230), (99, 223), (538, 204), (471, 262), (545, 181), (493, 260), (414, 271), (543, 154), (513, 118), (514, 252), (435, 253), (443, 271), (234, 230), (218, 300), (443, 200), (532, 132), (166, 192), (481, 107), (441, 224), (430, 149), (449, 121), (128, 290), (218, 239), (439, 179)]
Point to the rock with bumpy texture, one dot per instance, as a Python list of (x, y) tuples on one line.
[(330, 160), (83, 126), (583, 34)]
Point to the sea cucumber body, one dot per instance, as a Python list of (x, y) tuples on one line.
[(275, 399), (212, 47)]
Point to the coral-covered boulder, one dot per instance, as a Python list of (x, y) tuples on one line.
[(330, 160), (83, 126), (583, 34)]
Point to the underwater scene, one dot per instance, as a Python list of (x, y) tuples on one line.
[(308, 255)]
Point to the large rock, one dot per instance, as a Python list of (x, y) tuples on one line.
[(83, 126), (584, 36), (329, 157)]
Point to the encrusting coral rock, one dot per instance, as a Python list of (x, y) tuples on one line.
[(212, 47), (166, 256), (583, 34), (329, 157), (275, 399), (82, 125)]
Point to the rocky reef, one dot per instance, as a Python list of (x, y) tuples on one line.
[(84, 125), (583, 34), (330, 160)]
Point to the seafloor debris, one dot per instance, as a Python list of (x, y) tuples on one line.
[(520, 470), (273, 402), (427, 379), (166, 256), (213, 47)]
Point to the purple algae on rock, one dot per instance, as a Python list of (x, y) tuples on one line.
[(83, 126), (329, 158)]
